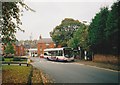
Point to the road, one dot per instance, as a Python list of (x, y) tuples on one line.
[(71, 72)]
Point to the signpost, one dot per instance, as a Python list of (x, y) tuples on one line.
[(85, 52), (79, 49)]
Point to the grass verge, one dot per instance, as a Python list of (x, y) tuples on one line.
[(40, 78), (99, 64), (15, 74)]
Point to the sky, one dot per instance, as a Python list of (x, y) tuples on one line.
[(49, 14)]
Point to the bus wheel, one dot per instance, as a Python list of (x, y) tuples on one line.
[(56, 59), (47, 58)]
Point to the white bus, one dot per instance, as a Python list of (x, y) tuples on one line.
[(59, 54)]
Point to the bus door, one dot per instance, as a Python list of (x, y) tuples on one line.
[(53, 55)]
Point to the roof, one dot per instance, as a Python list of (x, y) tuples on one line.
[(45, 40)]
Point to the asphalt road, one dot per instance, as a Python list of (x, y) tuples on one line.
[(71, 72)]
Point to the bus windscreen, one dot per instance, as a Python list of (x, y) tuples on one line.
[(68, 52)]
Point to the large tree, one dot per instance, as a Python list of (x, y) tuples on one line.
[(62, 33), (113, 28), (80, 38), (96, 31)]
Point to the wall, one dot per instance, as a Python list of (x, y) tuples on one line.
[(41, 47)]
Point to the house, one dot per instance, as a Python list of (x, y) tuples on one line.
[(18, 48), (32, 52), (44, 43)]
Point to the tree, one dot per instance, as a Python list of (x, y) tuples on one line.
[(62, 33), (96, 31), (80, 38), (11, 12), (9, 49), (112, 28)]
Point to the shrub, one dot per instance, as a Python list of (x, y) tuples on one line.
[(16, 59), (3, 59)]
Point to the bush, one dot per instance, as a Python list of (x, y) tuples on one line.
[(16, 59), (3, 59), (23, 59), (19, 59)]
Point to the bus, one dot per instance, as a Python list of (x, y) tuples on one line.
[(59, 54)]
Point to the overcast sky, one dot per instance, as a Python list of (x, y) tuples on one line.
[(50, 14)]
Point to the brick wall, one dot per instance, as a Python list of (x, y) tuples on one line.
[(42, 46)]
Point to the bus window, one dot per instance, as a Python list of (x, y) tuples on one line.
[(68, 53), (45, 53), (60, 53)]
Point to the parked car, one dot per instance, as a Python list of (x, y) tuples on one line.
[(41, 56)]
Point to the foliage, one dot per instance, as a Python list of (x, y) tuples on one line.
[(104, 30), (12, 74), (62, 33), (101, 36), (19, 59), (112, 28), (11, 12), (80, 38), (9, 49), (96, 32), (3, 59)]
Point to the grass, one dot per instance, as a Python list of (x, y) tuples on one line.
[(100, 64), (20, 74), (8, 59), (15, 74)]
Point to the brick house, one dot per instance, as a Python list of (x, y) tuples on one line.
[(44, 43), (18, 48)]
